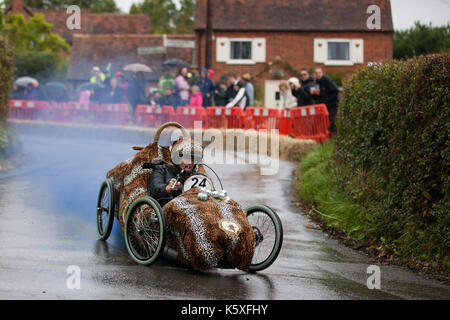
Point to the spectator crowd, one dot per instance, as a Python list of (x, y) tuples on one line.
[(194, 87)]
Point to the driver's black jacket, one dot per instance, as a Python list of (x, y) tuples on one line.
[(161, 176)]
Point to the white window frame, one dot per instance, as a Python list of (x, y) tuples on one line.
[(340, 62), (241, 61)]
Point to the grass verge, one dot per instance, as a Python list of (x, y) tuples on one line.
[(333, 209)]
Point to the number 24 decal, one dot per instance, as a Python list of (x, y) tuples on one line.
[(201, 184)]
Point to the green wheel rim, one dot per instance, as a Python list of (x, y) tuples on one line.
[(104, 230), (278, 236), (129, 224)]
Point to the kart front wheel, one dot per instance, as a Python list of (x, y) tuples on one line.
[(145, 231), (268, 233), (105, 210)]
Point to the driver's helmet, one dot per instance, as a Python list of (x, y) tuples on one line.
[(188, 150)]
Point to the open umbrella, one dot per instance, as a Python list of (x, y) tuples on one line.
[(91, 86), (24, 81), (175, 63), (56, 91), (137, 67)]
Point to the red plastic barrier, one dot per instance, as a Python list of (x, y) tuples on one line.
[(113, 113), (285, 122), (235, 118), (224, 118), (260, 118), (28, 110), (57, 112), (80, 112), (215, 117), (311, 122), (152, 116), (186, 116)]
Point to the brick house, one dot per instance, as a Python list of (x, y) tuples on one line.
[(91, 23), (90, 50), (274, 39), (119, 39)]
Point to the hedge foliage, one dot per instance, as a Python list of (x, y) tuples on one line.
[(393, 153), (6, 76)]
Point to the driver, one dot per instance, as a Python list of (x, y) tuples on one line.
[(167, 179)]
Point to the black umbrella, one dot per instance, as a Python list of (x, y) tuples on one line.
[(57, 91), (91, 86), (175, 63)]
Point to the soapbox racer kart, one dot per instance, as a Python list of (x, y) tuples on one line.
[(203, 226)]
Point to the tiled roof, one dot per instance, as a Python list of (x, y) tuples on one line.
[(292, 15), (98, 23)]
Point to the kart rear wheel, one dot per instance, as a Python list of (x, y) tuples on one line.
[(105, 210), (145, 231), (268, 232)]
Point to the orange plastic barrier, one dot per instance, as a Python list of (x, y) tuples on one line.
[(80, 112), (152, 116), (186, 116), (260, 118), (113, 113), (311, 122), (28, 110), (285, 122)]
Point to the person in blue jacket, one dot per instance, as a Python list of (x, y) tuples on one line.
[(206, 87)]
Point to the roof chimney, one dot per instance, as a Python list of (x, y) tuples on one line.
[(18, 6)]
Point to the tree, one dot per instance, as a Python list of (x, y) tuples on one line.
[(165, 17), (161, 13), (39, 52), (184, 18), (93, 5), (421, 40)]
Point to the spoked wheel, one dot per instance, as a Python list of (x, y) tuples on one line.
[(268, 233), (145, 231), (105, 210)]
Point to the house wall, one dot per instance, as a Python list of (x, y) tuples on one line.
[(297, 48)]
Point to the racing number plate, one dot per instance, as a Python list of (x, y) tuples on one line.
[(198, 181)]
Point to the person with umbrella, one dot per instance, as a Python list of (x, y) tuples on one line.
[(32, 92), (136, 90)]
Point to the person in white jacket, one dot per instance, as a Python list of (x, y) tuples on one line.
[(288, 101), (241, 98)]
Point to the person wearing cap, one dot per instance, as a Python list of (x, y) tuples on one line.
[(167, 179), (247, 79), (304, 98), (97, 75), (241, 98)]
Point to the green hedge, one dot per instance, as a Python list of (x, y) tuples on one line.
[(8, 140), (393, 153), (6, 76)]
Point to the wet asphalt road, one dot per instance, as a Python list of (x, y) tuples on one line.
[(47, 212)]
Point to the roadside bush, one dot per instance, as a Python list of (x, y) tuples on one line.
[(393, 153), (6, 76), (8, 141)]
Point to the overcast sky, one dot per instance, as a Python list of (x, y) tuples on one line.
[(404, 12)]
